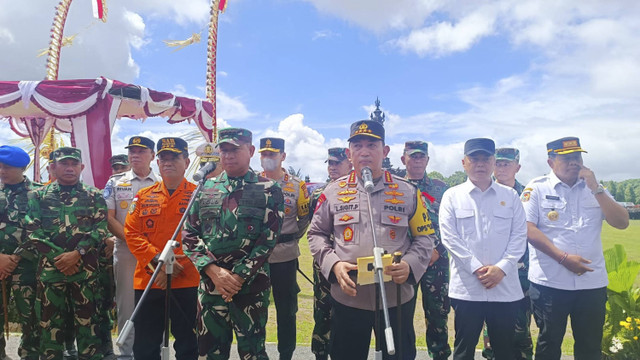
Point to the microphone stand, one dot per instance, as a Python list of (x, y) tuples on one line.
[(167, 257), (378, 268)]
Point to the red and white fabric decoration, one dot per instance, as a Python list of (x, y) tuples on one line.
[(86, 110)]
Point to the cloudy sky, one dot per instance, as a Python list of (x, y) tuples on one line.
[(521, 72)]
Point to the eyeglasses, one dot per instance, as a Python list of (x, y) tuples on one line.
[(480, 159)]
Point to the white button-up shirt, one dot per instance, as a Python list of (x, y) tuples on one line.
[(483, 228), (572, 220)]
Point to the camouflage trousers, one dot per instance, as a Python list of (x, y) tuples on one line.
[(246, 315), (321, 313), (24, 296), (523, 344), (54, 302), (436, 305), (104, 302)]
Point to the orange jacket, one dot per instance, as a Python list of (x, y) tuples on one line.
[(151, 222)]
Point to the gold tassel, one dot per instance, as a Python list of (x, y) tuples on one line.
[(181, 44), (66, 41)]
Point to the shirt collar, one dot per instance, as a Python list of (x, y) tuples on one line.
[(555, 181), (468, 186), (130, 175)]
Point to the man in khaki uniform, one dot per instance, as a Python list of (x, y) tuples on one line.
[(119, 193), (341, 232), (284, 258)]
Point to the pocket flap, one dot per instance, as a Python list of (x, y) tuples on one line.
[(464, 213)]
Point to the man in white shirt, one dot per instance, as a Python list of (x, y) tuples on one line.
[(119, 193), (567, 271), (482, 224)]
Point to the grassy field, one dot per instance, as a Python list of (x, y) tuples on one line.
[(630, 238)]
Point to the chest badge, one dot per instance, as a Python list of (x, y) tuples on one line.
[(394, 201), (123, 204), (393, 193), (394, 219), (553, 215), (502, 203), (393, 186), (348, 192), (346, 217), (347, 234), (392, 234), (346, 199), (342, 184)]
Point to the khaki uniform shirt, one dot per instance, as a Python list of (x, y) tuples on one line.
[(296, 219), (401, 223)]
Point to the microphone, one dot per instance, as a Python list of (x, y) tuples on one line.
[(204, 171), (367, 177)]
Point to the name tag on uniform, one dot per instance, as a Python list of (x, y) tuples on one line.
[(124, 193)]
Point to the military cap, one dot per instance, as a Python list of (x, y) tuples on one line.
[(566, 145), (140, 141), (173, 144), (14, 156), (234, 136), (510, 154), (121, 159), (412, 147), (370, 128), (208, 152), (271, 144), (67, 153), (480, 144), (50, 157), (337, 154)]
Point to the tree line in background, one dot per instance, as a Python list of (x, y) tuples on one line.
[(624, 191)]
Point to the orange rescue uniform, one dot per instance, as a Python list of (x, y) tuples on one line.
[(152, 219)]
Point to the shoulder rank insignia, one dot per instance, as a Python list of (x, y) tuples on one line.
[(346, 199), (387, 177), (394, 201), (346, 217), (348, 192)]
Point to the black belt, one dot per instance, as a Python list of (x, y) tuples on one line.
[(283, 238)]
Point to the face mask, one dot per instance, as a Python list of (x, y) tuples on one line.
[(269, 164)]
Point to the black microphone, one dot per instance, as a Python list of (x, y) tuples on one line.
[(367, 178), (204, 171)]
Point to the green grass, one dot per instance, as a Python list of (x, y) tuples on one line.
[(629, 238)]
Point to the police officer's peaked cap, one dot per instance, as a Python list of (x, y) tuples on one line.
[(337, 154), (480, 144), (368, 128), (141, 141), (418, 146), (120, 159), (208, 152), (14, 156), (234, 136), (271, 144), (172, 144), (510, 154), (566, 145), (67, 153)]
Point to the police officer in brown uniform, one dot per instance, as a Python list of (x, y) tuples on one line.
[(284, 258), (341, 232)]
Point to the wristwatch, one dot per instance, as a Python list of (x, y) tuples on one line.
[(598, 190), (82, 251)]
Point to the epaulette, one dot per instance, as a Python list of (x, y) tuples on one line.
[(540, 179)]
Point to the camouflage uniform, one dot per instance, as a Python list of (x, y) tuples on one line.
[(435, 281), (234, 223), (62, 219), (321, 299), (522, 337), (22, 283)]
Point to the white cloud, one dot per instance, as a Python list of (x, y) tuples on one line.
[(445, 38), (324, 34)]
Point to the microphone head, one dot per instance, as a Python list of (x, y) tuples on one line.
[(367, 178), (204, 171)]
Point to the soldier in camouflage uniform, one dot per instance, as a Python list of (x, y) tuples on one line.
[(507, 166), (18, 273), (338, 166), (229, 234), (66, 224), (80, 220), (283, 262), (435, 281)]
